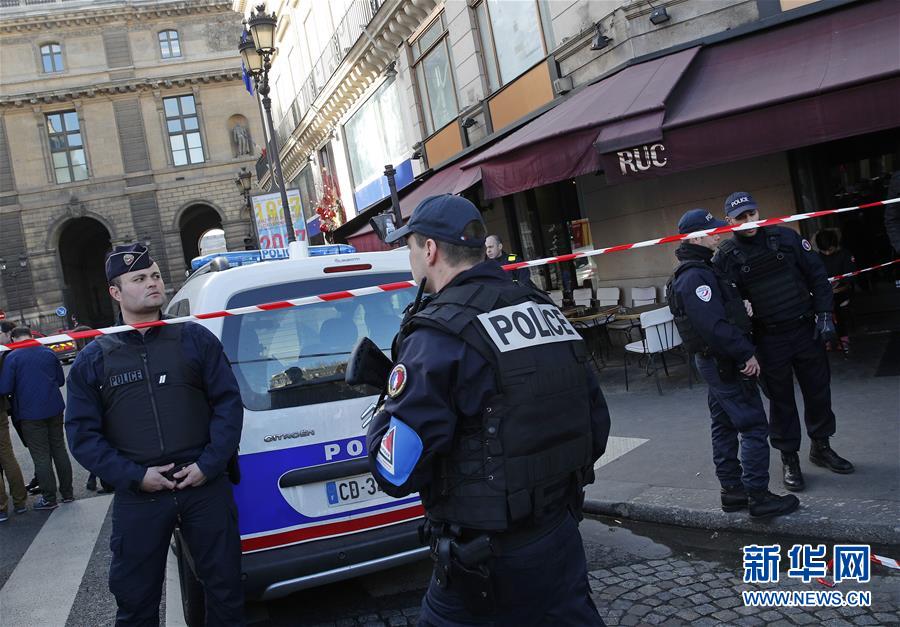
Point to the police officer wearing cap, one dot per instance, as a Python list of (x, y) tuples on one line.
[(493, 248), (715, 327), (157, 413), (494, 416), (787, 285)]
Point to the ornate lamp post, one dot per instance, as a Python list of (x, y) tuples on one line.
[(244, 180), (14, 275), (257, 49)]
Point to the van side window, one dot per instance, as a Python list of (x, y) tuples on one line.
[(298, 356), (180, 308)]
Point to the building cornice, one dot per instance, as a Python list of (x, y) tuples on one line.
[(68, 94), (52, 16)]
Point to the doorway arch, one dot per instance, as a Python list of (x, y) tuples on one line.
[(83, 244), (194, 222)]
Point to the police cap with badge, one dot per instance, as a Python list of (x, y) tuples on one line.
[(738, 203), (127, 258), (444, 218)]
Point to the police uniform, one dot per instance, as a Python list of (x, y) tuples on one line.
[(519, 275), (714, 326), (786, 283), (494, 417), (141, 400)]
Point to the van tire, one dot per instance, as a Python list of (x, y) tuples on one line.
[(193, 598)]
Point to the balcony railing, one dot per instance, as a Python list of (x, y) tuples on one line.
[(345, 36)]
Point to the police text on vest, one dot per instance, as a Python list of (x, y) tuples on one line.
[(526, 325)]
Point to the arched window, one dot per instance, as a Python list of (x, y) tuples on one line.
[(169, 46), (51, 57)]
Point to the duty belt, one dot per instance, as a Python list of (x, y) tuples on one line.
[(780, 327)]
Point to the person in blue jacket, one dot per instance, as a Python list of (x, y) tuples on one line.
[(715, 328), (494, 416), (787, 285), (156, 412)]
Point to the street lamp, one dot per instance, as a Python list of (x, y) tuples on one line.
[(14, 274), (244, 180), (257, 49)]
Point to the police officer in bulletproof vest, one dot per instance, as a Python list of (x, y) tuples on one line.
[(786, 283), (493, 415), (493, 249), (715, 327), (156, 412)]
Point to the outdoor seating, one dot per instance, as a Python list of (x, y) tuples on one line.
[(643, 296), (658, 336)]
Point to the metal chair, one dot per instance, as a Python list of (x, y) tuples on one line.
[(659, 335)]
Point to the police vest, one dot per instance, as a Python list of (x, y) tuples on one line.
[(770, 277), (154, 406), (530, 453), (735, 312)]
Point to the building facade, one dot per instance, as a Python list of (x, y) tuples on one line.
[(588, 123), (119, 122)]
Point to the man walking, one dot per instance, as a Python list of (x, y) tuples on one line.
[(157, 413), (9, 465), (494, 416), (33, 376), (714, 326), (786, 283)]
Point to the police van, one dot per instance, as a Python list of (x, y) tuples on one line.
[(309, 512)]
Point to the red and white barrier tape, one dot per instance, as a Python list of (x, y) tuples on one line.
[(308, 300), (850, 274), (875, 559)]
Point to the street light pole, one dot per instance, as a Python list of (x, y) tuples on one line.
[(14, 274), (244, 181)]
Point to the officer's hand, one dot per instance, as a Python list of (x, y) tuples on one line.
[(154, 481), (749, 308), (751, 368), (189, 476), (824, 327)]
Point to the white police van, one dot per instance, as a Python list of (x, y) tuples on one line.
[(309, 511)]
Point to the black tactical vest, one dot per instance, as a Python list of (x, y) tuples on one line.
[(731, 298), (530, 454), (154, 406), (770, 278)]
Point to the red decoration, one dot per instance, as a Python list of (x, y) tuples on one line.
[(330, 209)]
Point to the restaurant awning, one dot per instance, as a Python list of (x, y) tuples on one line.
[(829, 76), (628, 106)]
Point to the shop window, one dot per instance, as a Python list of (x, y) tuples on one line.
[(434, 74), (169, 45), (514, 37), (184, 130), (66, 147), (51, 58)]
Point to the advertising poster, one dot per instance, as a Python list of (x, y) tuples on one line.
[(269, 218)]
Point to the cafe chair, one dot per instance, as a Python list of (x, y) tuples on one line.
[(658, 336), (557, 297), (607, 296), (643, 296), (582, 297)]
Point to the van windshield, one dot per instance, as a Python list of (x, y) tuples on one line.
[(298, 356)]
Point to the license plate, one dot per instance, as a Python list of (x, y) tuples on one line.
[(352, 490)]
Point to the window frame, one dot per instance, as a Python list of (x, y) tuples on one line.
[(183, 132), (52, 55), (486, 35), (68, 148), (168, 42), (418, 57)]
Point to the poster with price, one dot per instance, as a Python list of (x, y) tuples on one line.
[(270, 219)]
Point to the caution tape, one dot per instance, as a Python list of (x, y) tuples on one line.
[(376, 289), (854, 273), (875, 559)]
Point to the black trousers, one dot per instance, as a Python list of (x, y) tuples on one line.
[(782, 356), (142, 529), (544, 582)]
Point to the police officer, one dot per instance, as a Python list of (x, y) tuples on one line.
[(786, 283), (493, 249), (715, 327), (494, 417), (157, 413)]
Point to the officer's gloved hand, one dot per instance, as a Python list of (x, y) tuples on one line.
[(824, 327)]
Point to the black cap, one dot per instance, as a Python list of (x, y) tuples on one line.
[(127, 258), (443, 218), (698, 220), (738, 203)]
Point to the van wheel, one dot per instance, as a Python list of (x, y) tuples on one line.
[(193, 599)]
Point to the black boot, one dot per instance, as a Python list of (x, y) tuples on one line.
[(764, 504), (821, 454), (33, 487), (734, 499), (91, 484), (793, 478)]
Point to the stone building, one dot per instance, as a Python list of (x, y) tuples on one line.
[(120, 121)]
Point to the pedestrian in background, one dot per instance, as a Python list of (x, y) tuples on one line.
[(784, 280), (838, 261), (494, 250), (9, 465), (714, 326), (158, 414), (33, 377), (497, 428)]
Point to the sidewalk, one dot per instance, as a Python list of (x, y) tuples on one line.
[(663, 471)]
